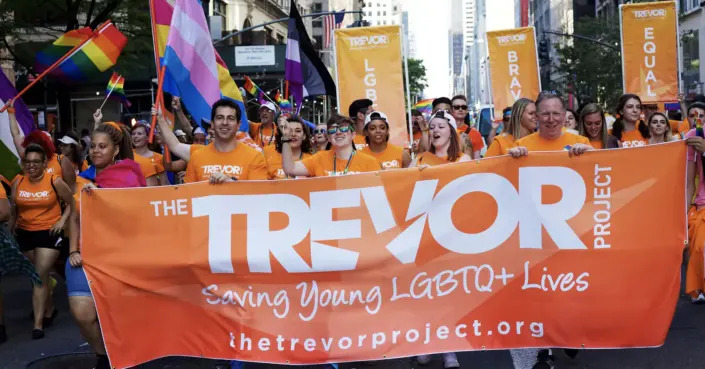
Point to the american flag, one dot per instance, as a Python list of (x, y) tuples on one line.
[(331, 22)]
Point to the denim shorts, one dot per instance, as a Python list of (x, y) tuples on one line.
[(76, 281)]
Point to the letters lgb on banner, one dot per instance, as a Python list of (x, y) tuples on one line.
[(368, 65), (542, 251), (514, 71), (650, 50)]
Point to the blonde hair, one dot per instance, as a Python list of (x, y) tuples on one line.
[(588, 109), (518, 109)]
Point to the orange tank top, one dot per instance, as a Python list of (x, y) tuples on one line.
[(38, 207)]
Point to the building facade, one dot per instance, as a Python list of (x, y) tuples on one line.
[(692, 33), (382, 12)]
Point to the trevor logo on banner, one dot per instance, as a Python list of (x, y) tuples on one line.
[(514, 71), (368, 64), (395, 263), (650, 50)]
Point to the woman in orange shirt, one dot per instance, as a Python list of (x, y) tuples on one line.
[(659, 128), (377, 136), (110, 148), (341, 159), (594, 126), (522, 123), (38, 222), (300, 142), (150, 162), (444, 145), (627, 128)]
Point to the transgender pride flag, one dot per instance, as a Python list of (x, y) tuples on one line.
[(190, 59)]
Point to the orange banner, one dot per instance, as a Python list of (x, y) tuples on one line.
[(650, 50), (542, 251), (368, 66), (514, 71)]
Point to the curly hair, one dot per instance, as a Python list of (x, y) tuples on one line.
[(306, 141), (42, 139)]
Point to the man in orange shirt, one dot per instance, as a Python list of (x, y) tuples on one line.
[(471, 138), (225, 160), (263, 133), (357, 111), (551, 136)]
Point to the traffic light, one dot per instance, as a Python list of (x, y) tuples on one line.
[(543, 51)]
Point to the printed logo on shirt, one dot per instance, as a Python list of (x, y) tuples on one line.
[(360, 146), (50, 170), (634, 143), (225, 169), (390, 164), (280, 173), (332, 173), (33, 195)]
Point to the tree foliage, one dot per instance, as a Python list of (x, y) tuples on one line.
[(593, 70), (417, 77)]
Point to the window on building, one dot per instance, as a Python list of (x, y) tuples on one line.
[(317, 23), (317, 7), (395, 8), (319, 41), (219, 7), (384, 12), (378, 13), (378, 23), (691, 59), (384, 22)]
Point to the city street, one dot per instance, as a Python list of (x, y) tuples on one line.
[(683, 348)]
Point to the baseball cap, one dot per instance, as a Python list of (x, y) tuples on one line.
[(66, 140), (269, 105), (179, 133), (375, 115), (445, 115)]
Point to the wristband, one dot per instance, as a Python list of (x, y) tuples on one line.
[(286, 140), (74, 252), (11, 110)]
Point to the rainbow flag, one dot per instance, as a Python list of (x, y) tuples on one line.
[(254, 90), (284, 105), (99, 51), (162, 12), (116, 89), (424, 106)]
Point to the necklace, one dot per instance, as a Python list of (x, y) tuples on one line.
[(261, 138), (335, 162)]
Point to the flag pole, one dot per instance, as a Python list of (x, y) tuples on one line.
[(159, 101), (106, 97), (47, 71)]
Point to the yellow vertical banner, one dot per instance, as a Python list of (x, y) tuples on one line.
[(650, 50), (369, 66), (514, 71)]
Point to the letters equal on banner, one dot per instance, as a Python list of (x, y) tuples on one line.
[(650, 50), (514, 71), (368, 63), (543, 251)]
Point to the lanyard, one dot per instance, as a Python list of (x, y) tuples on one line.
[(335, 162), (261, 138)]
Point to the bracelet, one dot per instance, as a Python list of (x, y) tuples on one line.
[(425, 130), (74, 252), (286, 140)]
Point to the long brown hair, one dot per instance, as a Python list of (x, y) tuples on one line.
[(454, 147), (119, 136), (518, 109), (618, 125), (588, 109), (667, 136)]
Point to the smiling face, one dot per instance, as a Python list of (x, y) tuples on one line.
[(570, 121), (440, 132), (377, 131), (593, 126), (139, 136), (102, 150), (631, 111), (338, 138), (266, 116), (225, 124), (34, 164), (658, 124), (65, 149), (199, 139), (529, 119), (551, 118), (297, 134)]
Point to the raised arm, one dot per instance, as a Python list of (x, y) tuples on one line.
[(181, 150), (179, 114), (15, 131), (97, 118), (291, 168)]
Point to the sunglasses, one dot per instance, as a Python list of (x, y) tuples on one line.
[(343, 129), (460, 107), (319, 131)]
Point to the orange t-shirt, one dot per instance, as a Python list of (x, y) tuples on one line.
[(54, 166), (243, 163), (534, 142), (597, 144), (275, 170), (474, 135), (633, 139), (322, 164), (429, 158), (392, 157), (262, 136), (3, 194), (150, 166), (38, 207), (359, 141), (500, 145)]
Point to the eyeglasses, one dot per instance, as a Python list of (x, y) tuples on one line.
[(693, 115), (343, 129), (319, 131), (460, 107)]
